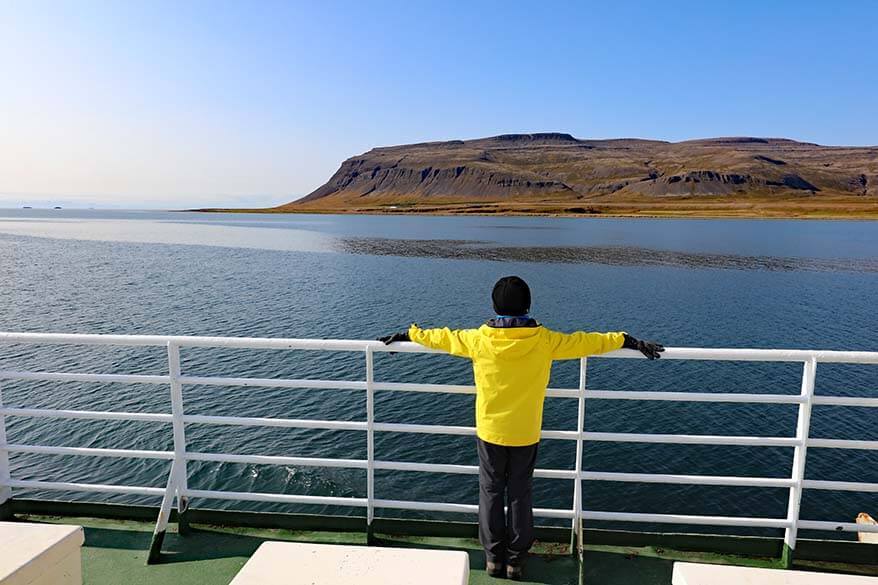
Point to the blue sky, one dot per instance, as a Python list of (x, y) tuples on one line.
[(172, 104)]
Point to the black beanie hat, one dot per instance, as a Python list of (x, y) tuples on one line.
[(511, 296)]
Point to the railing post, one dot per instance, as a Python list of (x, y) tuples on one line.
[(176, 486), (161, 524), (5, 490), (370, 443), (181, 484), (803, 427), (576, 542)]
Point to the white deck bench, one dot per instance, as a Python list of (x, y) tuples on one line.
[(295, 563), (702, 574), (40, 554)]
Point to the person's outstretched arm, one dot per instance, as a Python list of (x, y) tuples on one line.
[(566, 346), (457, 342)]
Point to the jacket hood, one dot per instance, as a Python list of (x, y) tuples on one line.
[(520, 321), (510, 342)]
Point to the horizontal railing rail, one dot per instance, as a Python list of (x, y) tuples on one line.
[(177, 485)]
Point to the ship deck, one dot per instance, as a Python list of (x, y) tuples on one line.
[(212, 555)]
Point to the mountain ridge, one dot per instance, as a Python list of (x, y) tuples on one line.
[(556, 166)]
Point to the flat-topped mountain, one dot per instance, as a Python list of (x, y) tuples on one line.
[(560, 168)]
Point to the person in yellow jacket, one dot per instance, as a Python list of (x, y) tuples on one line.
[(512, 359)]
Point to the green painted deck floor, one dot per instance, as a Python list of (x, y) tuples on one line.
[(115, 553)]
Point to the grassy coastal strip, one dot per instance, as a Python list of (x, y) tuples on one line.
[(847, 208)]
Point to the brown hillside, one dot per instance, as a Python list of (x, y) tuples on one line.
[(560, 168)]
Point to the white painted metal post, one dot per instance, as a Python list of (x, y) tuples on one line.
[(576, 528), (801, 450), (161, 525), (180, 481), (370, 443), (5, 490)]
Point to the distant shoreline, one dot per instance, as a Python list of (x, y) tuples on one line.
[(847, 208)]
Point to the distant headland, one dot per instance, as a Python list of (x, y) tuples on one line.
[(557, 174)]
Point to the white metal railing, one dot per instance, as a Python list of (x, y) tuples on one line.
[(178, 489)]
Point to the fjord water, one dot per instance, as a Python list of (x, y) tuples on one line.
[(703, 283)]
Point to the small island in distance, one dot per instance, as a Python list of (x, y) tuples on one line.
[(557, 174)]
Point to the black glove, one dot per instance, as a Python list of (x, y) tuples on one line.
[(650, 349), (388, 339)]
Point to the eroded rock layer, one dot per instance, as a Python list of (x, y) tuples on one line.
[(558, 166)]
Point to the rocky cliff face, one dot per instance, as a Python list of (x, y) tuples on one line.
[(559, 166)]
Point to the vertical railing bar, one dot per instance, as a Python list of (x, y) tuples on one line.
[(5, 473), (179, 430), (370, 442), (576, 527), (803, 429), (161, 524)]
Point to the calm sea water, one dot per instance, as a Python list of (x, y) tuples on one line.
[(736, 283)]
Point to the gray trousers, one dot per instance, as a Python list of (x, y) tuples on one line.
[(506, 478)]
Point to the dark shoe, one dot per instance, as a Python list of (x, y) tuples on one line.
[(514, 572), (495, 569)]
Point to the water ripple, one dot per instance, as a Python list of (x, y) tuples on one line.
[(606, 255)]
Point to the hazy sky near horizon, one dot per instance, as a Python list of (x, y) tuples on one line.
[(178, 104)]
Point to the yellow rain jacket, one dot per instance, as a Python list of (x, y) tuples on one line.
[(511, 366)]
